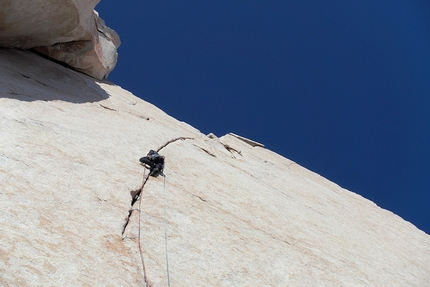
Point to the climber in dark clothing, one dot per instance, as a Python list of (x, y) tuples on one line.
[(155, 162)]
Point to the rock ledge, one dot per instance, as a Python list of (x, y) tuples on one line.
[(68, 31)]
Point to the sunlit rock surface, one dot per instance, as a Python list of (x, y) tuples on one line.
[(237, 214), (69, 31)]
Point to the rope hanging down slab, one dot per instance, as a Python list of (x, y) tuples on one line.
[(138, 232), (165, 233), (139, 194)]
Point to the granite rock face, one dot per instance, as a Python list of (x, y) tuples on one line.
[(69, 31), (236, 213)]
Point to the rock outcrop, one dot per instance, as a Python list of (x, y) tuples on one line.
[(233, 212), (69, 31)]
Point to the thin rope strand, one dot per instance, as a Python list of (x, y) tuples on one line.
[(138, 234), (165, 232)]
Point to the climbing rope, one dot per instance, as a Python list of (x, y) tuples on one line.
[(165, 232), (145, 179), (138, 232)]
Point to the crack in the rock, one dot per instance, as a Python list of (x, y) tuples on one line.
[(43, 84), (28, 77), (206, 151), (136, 196), (199, 197), (231, 150), (127, 221), (37, 81), (25, 76), (107, 108), (173, 140)]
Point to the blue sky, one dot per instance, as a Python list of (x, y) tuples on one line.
[(340, 87)]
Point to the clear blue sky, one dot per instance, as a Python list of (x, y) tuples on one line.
[(339, 86)]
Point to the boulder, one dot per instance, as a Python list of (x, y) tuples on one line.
[(69, 31)]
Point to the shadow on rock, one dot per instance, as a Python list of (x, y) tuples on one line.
[(27, 76)]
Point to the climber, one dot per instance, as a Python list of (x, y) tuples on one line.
[(155, 161)]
